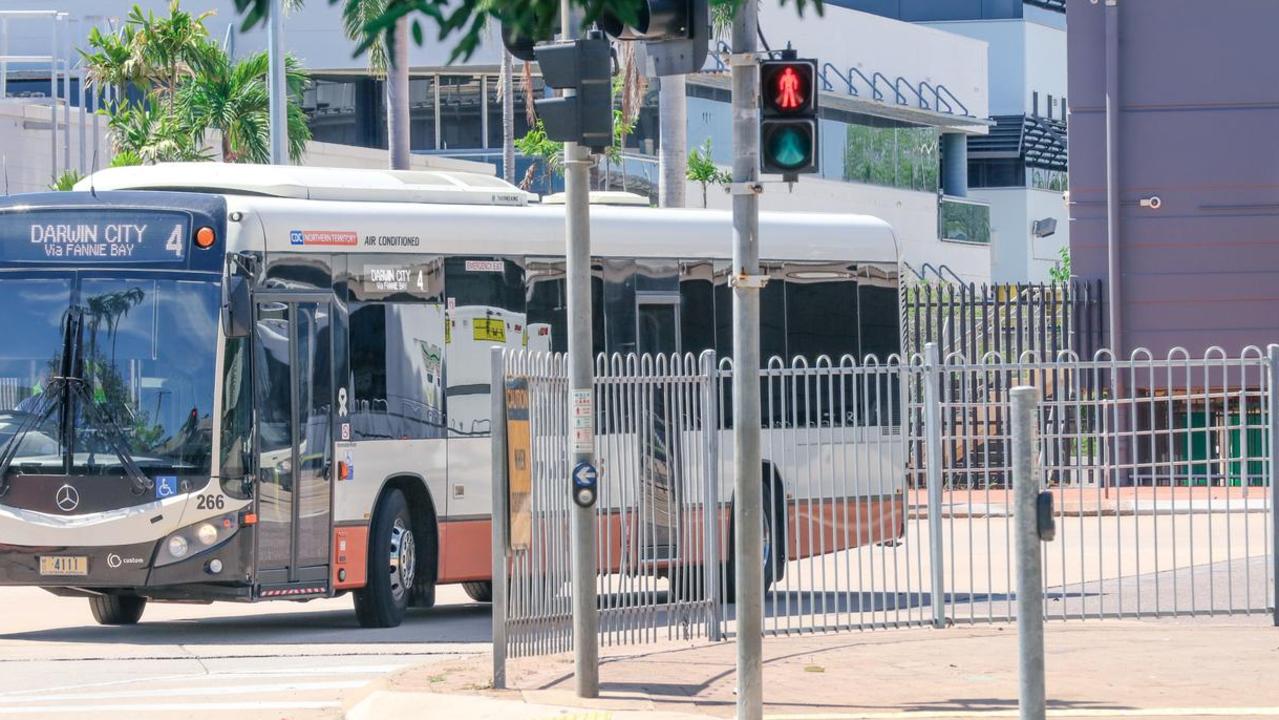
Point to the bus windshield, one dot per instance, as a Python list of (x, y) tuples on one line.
[(140, 384)]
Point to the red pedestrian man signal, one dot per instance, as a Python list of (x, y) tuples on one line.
[(788, 116), (789, 91)]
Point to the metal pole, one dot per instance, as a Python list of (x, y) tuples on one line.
[(501, 512), (748, 541), (710, 518), (1030, 588), (934, 479), (577, 238), (508, 117), (53, 99), (1114, 278), (278, 109), (1272, 424)]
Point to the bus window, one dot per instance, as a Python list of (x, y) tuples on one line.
[(772, 311), (619, 306), (396, 363), (697, 307), (486, 308), (821, 312), (237, 418), (547, 307), (298, 271), (879, 322)]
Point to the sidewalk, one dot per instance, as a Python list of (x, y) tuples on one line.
[(1207, 667)]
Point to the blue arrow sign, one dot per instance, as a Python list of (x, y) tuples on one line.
[(584, 475)]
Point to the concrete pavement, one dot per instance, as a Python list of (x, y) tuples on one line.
[(1135, 669), (267, 661)]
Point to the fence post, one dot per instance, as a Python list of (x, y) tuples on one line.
[(710, 500), (1272, 424), (933, 467), (497, 401), (1030, 588)]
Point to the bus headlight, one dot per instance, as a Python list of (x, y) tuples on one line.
[(206, 534), (177, 546), (195, 539)]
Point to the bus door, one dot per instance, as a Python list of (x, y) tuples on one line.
[(657, 317), (293, 390)]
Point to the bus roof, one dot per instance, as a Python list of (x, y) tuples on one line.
[(301, 209), (538, 230), (312, 183)]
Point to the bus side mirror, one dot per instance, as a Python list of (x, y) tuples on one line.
[(237, 307)]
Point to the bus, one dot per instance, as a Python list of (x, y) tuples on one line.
[(243, 383)]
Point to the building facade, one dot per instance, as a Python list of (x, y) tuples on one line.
[(894, 95), (1193, 204), (1019, 168)]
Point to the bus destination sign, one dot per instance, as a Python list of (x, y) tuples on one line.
[(61, 236)]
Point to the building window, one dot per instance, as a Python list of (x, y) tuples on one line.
[(519, 100), (331, 110), (461, 112), (1044, 179), (996, 173), (901, 157), (422, 113)]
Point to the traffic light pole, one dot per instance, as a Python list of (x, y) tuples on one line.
[(577, 238), (276, 107), (748, 543)]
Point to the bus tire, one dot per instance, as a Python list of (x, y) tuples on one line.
[(383, 602), (775, 539), (479, 591), (117, 609)]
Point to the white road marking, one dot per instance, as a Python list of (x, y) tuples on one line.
[(226, 675), (170, 707), (196, 691)]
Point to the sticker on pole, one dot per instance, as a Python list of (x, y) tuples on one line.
[(582, 408)]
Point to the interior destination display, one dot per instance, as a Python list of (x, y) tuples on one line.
[(94, 236)]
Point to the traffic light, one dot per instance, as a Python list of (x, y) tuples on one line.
[(788, 116), (676, 34), (583, 65)]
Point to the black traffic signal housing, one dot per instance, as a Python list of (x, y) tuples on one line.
[(788, 116), (585, 66), (676, 34)]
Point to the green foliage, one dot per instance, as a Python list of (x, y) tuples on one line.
[(126, 158), (468, 20), (1060, 271), (549, 153), (66, 181), (190, 85), (702, 169)]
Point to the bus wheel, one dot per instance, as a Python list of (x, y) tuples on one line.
[(775, 540), (392, 564), (481, 591), (117, 609)]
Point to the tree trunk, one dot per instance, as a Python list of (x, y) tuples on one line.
[(673, 155), (397, 99), (508, 118)]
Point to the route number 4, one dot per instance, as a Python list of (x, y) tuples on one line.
[(174, 243)]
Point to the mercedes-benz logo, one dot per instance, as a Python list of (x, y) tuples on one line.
[(68, 498)]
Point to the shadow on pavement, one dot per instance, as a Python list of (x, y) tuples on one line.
[(442, 624)]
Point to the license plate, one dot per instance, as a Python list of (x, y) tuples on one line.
[(64, 565)]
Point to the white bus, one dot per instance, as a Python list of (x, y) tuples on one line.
[(233, 382)]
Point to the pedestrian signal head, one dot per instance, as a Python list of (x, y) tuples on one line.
[(788, 116)]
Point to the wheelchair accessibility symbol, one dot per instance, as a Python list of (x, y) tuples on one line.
[(166, 486)]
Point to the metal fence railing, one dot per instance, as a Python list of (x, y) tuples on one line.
[(888, 492)]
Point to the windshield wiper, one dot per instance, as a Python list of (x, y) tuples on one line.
[(67, 386)]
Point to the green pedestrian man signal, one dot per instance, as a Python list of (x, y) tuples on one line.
[(788, 116)]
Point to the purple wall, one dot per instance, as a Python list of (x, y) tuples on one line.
[(1199, 128)]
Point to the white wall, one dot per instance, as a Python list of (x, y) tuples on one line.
[(26, 162), (913, 216), (1024, 57), (1015, 255), (848, 38)]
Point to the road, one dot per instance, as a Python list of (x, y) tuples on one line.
[(271, 660)]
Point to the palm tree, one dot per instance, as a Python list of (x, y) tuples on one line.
[(232, 97), (169, 49), (152, 135), (113, 62), (391, 62), (508, 118)]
